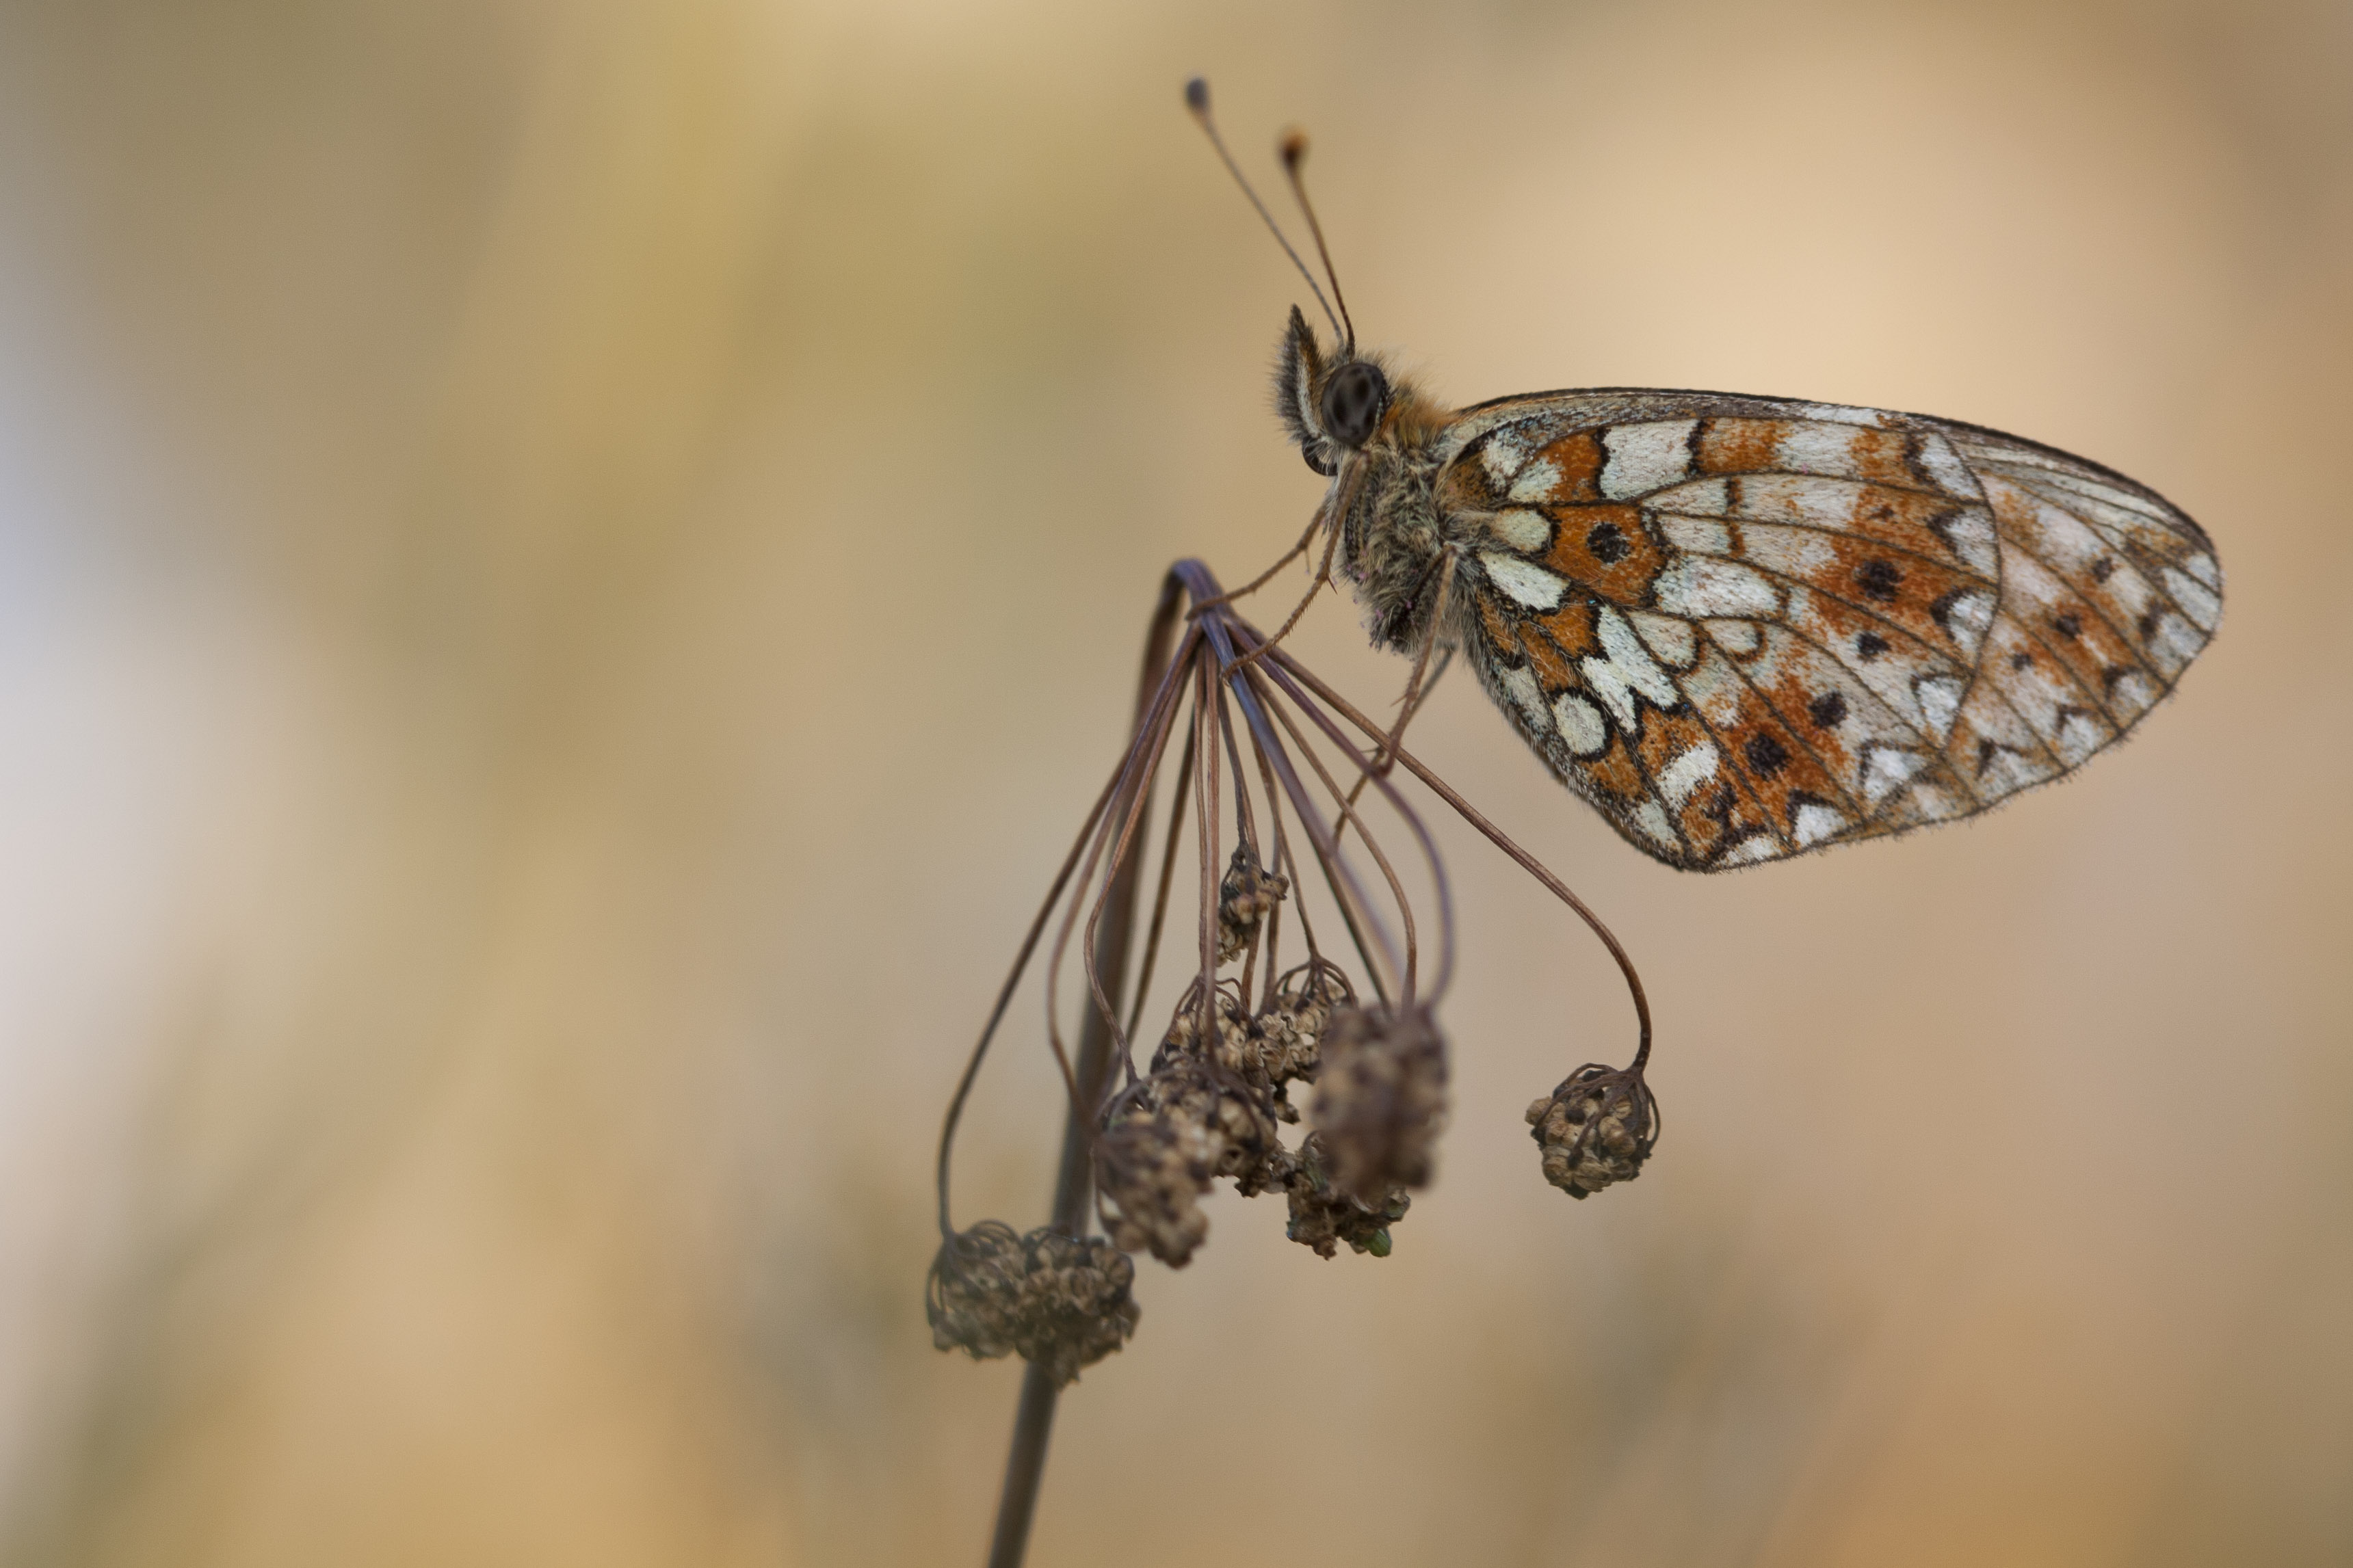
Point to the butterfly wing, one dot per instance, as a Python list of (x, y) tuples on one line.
[(1744, 629)]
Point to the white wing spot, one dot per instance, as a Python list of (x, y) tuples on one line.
[(1940, 698), (1810, 449), (1674, 641), (1626, 672), (1529, 532), (1651, 818), (1791, 552), (1536, 480), (1967, 620), (1699, 586), (1525, 581), (1816, 823), (1944, 467), (1645, 457), (1581, 725), (1758, 847), (1735, 637), (2204, 568), (2079, 736), (2196, 601), (1887, 768), (1837, 413), (1970, 534), (1687, 773), (1502, 457), (2175, 642), (1699, 535)]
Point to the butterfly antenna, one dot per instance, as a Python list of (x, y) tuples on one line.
[(1196, 99), (1295, 153)]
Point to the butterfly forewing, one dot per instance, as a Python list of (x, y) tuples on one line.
[(1745, 627)]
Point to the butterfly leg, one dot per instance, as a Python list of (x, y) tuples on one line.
[(1323, 576), (1384, 754), (1263, 578)]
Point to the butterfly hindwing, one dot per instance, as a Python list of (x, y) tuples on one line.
[(1748, 628)]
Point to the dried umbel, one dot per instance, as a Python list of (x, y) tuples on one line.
[(1161, 1145), (1253, 822), (1244, 899), (1292, 1026), (1323, 1216), (1380, 1099), (1235, 1029), (1596, 1129), (1058, 1300), (1269, 1052)]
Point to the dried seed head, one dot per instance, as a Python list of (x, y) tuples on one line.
[(1244, 897), (1163, 1142), (1148, 1190), (1292, 1026), (1323, 1216), (1380, 1099), (1263, 1055), (1059, 1301), (1182, 1043), (1596, 1129), (974, 1293)]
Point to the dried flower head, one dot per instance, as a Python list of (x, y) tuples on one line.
[(1380, 1099), (1162, 1143), (1268, 1052), (1059, 1301), (1235, 1029), (1292, 1024), (1244, 897), (1596, 1129), (1323, 1216)]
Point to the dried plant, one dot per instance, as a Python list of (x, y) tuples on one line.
[(1233, 723)]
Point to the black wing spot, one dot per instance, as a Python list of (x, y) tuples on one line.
[(2020, 660), (1869, 645), (1878, 580), (2069, 626), (1608, 544), (2147, 625), (1828, 710), (1986, 749), (1767, 756), (2112, 676), (2103, 568), (1941, 612)]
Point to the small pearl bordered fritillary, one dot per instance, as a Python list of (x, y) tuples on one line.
[(1745, 628)]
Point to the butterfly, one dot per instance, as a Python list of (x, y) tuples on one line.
[(1746, 628)]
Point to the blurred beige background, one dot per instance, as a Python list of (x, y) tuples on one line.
[(566, 570)]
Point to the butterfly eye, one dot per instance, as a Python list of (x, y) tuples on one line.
[(1353, 401)]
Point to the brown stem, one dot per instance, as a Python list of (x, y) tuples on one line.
[(1033, 1423)]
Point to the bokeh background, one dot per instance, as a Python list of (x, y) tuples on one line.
[(565, 570)]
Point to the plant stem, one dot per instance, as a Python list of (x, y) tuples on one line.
[(1033, 1421)]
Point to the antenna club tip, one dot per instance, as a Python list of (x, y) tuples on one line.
[(1196, 94), (1294, 147)]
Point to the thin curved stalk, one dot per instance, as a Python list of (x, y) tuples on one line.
[(1495, 836)]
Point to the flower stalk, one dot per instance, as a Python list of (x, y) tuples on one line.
[(1271, 773)]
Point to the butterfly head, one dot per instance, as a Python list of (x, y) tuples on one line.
[(1332, 407)]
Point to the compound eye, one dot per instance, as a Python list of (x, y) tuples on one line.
[(1353, 401)]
